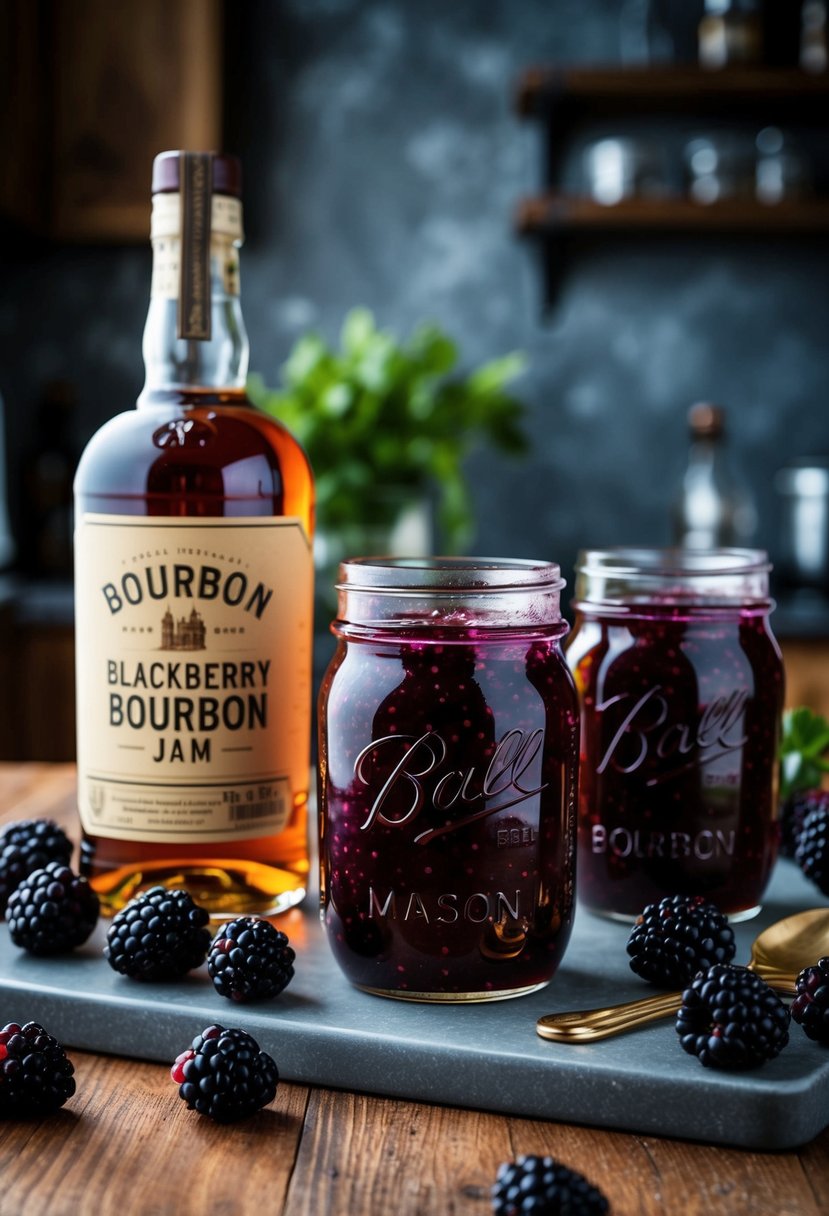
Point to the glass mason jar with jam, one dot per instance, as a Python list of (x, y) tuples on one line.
[(448, 738), (681, 688)]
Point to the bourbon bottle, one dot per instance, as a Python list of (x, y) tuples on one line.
[(193, 589)]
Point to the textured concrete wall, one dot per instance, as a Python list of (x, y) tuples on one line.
[(383, 160)]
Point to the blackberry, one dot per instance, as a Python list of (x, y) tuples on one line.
[(810, 1007), (250, 960), (159, 935), (792, 813), (543, 1186), (36, 1077), (225, 1075), (52, 911), (674, 939), (731, 1018), (27, 845), (812, 853)]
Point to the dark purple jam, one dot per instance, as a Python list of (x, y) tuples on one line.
[(680, 727), (448, 766)]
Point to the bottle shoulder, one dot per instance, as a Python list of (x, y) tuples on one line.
[(132, 447), (214, 458)]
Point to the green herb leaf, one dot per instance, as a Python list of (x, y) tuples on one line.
[(803, 750), (384, 414)]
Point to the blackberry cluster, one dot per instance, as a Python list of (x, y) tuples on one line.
[(542, 1186), (731, 1018), (36, 1077), (52, 911), (250, 960), (792, 814), (224, 1075), (812, 853), (674, 939), (810, 1007), (159, 935), (28, 845)]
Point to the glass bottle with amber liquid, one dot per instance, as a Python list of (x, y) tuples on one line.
[(714, 508), (193, 589)]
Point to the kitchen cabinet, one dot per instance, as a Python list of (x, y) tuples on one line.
[(92, 91), (37, 672), (807, 673)]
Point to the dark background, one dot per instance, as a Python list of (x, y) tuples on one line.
[(383, 160)]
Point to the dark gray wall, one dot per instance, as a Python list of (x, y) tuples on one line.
[(383, 161)]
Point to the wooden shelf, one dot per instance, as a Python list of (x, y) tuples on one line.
[(556, 214), (589, 92), (567, 100)]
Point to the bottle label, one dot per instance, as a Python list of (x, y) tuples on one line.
[(225, 234), (193, 675)]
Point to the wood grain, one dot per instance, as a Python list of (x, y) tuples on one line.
[(125, 1145)]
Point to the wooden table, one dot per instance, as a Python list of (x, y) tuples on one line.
[(126, 1144)]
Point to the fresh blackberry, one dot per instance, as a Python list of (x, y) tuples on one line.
[(674, 939), (542, 1186), (159, 935), (225, 1075), (52, 911), (792, 814), (812, 853), (35, 1075), (810, 1007), (27, 845), (250, 960), (731, 1018)]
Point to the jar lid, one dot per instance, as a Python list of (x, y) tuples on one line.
[(446, 574), (621, 576), (449, 592)]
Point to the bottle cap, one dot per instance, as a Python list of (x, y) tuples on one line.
[(227, 173), (706, 421)]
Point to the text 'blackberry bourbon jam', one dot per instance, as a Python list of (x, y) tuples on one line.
[(448, 734), (681, 688)]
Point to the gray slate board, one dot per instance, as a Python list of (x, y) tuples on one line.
[(324, 1032)]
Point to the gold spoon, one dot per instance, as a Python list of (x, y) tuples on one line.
[(778, 955)]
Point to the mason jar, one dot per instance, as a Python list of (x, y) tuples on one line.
[(448, 741), (680, 683)]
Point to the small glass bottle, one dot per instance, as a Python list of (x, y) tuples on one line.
[(714, 509), (681, 688), (194, 592), (448, 735), (731, 33)]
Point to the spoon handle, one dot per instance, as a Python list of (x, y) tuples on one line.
[(588, 1025)]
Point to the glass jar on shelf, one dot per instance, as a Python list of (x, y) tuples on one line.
[(619, 167), (781, 172), (813, 44), (720, 165)]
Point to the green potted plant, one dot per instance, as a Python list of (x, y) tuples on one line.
[(387, 425)]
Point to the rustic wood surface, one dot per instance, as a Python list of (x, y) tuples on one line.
[(125, 1144)]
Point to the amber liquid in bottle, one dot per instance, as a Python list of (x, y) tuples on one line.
[(201, 452)]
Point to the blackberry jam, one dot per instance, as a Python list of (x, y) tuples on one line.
[(448, 737), (681, 689)]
